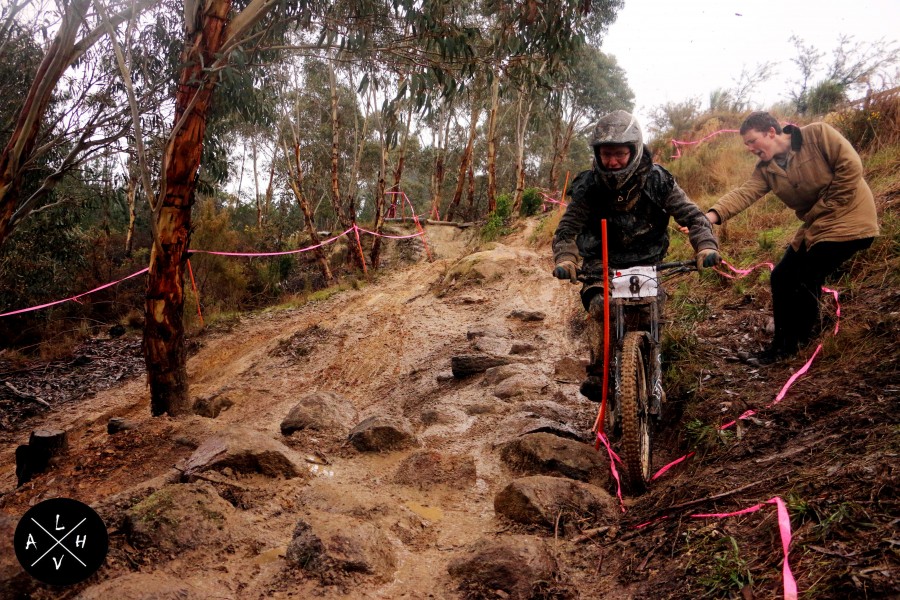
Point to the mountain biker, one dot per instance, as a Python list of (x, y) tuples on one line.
[(815, 171), (637, 198)]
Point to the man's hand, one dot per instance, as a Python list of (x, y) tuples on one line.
[(566, 269), (708, 258)]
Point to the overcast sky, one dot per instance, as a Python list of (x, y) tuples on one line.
[(673, 50)]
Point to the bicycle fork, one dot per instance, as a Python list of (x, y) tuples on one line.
[(654, 360)]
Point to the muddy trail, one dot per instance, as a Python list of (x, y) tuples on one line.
[(336, 454)]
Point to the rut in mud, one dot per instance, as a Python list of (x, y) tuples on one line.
[(399, 479)]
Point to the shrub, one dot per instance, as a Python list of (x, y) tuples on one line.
[(531, 202), (498, 219)]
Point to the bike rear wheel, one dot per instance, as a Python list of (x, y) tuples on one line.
[(633, 404)]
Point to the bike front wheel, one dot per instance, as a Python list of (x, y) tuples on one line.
[(633, 403)]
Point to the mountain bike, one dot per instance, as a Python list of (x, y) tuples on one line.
[(636, 395)]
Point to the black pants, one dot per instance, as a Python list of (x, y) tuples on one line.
[(797, 285)]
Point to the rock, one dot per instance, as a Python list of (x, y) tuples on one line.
[(509, 567), (464, 365), (548, 454), (444, 376), (179, 517), (244, 451), (522, 348), (495, 375), (319, 411), (212, 406), (487, 331), (429, 467), (142, 586), (555, 411), (378, 433), (545, 501), (323, 544), (490, 345), (487, 265), (523, 423), (529, 316), (522, 384), (569, 370), (119, 424)]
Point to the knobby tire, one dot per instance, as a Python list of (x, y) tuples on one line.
[(633, 404)]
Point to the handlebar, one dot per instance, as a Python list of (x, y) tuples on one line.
[(681, 266)]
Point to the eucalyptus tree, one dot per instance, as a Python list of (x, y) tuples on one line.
[(87, 117)]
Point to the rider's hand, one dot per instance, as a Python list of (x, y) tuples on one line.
[(566, 269), (708, 258)]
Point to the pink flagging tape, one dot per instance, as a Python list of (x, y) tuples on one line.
[(679, 143), (742, 272), (253, 254), (613, 457), (795, 376), (651, 522), (837, 311), (671, 464), (75, 298), (551, 200), (784, 529), (393, 237)]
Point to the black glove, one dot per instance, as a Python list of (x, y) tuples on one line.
[(708, 258), (566, 269)]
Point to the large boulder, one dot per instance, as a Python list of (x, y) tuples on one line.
[(554, 501), (323, 544), (508, 567), (548, 454), (319, 411), (181, 517), (378, 434), (244, 451)]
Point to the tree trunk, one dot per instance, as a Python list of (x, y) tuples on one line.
[(398, 172), (335, 149), (164, 349), (464, 162), (379, 205), (270, 189), (256, 196), (131, 195), (471, 192), (522, 114), (492, 145), (296, 182), (22, 140)]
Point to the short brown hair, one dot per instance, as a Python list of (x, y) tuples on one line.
[(760, 121)]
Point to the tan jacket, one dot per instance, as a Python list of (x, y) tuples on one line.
[(823, 184)]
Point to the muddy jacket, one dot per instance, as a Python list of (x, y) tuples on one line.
[(636, 236), (823, 183)]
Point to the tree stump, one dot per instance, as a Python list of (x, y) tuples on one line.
[(43, 445)]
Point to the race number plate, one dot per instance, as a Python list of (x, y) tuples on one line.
[(634, 282)]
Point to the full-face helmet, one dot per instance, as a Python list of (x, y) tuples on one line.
[(618, 128)]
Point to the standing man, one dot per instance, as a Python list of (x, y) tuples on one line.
[(815, 171), (637, 198)]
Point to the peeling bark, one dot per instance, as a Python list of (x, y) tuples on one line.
[(164, 349)]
